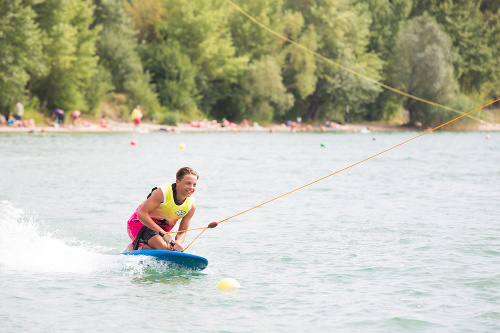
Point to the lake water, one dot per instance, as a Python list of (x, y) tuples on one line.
[(408, 241)]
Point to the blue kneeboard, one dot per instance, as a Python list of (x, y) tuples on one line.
[(180, 258)]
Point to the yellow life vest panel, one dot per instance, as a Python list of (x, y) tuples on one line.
[(136, 114), (168, 209)]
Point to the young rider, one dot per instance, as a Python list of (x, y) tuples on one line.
[(160, 212)]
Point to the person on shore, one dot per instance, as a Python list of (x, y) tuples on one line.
[(347, 117), (75, 118), (159, 213), (58, 116), (18, 112), (226, 123), (103, 122), (10, 119), (137, 115), (244, 123)]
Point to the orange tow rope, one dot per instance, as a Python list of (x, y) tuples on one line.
[(214, 224)]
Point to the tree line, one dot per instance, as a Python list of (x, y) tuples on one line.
[(183, 59)]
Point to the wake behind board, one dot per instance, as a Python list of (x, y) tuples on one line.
[(180, 258)]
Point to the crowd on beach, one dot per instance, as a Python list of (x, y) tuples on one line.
[(291, 125), (58, 120), (214, 124), (15, 117)]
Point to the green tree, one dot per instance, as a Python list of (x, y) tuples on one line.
[(98, 90), (174, 75), (146, 14), (492, 88), (250, 39), (425, 67), (70, 52), (300, 66), (21, 57), (387, 19), (492, 6), (264, 94), (342, 35), (199, 32), (470, 33), (117, 51)]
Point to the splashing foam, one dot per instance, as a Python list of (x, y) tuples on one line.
[(27, 248)]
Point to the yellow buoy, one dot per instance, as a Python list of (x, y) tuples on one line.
[(228, 284), (182, 146), (487, 136)]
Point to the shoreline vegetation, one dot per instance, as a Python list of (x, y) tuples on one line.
[(366, 62)]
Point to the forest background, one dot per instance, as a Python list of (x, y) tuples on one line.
[(193, 59)]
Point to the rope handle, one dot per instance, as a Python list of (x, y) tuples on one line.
[(211, 225)]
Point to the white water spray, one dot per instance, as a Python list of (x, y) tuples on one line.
[(27, 247)]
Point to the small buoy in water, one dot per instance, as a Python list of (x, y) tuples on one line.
[(228, 284), (182, 146), (322, 144), (487, 136), (133, 143)]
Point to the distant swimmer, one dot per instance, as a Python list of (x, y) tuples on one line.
[(160, 212)]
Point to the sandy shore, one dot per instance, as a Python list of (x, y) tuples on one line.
[(116, 127)]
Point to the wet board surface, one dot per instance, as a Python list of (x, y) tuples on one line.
[(186, 260)]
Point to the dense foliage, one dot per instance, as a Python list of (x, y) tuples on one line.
[(184, 59)]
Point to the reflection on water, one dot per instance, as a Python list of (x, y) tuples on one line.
[(170, 276), (156, 271)]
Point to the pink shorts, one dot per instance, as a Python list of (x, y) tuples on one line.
[(137, 121), (134, 225)]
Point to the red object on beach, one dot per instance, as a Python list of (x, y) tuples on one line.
[(133, 143)]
